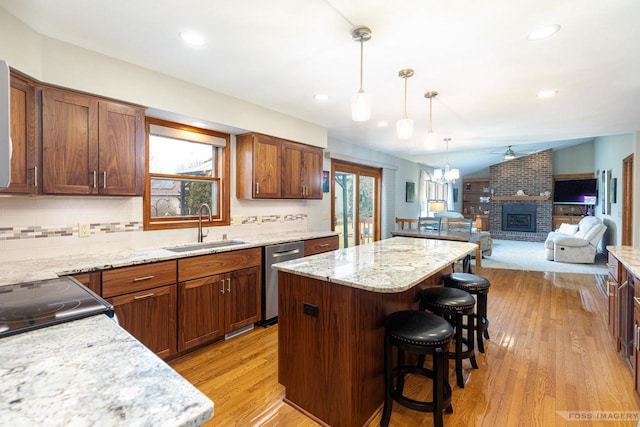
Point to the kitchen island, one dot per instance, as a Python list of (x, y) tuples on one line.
[(330, 323)]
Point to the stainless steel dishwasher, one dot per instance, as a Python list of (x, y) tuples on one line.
[(274, 254)]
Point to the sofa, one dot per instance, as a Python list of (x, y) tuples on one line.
[(486, 242), (575, 243)]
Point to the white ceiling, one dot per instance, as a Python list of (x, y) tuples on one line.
[(279, 53)]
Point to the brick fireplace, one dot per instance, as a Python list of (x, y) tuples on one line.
[(533, 174)]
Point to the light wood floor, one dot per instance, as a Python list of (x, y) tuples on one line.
[(549, 352)]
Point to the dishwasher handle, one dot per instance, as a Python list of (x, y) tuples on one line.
[(285, 253)]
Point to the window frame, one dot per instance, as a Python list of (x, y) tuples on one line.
[(189, 221)]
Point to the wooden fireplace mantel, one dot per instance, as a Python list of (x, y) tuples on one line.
[(520, 197)]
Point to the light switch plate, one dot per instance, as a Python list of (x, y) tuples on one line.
[(237, 220), (259, 219), (325, 215), (84, 229), (281, 218)]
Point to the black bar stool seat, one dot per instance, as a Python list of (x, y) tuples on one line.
[(478, 286), (420, 333), (454, 305)]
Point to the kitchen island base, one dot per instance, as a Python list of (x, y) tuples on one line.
[(330, 346)]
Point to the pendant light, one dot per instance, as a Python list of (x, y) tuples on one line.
[(361, 101), (430, 139), (449, 175), (404, 126)]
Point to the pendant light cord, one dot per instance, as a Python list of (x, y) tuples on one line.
[(361, 61), (404, 116)]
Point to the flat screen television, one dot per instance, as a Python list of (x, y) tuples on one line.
[(573, 191)]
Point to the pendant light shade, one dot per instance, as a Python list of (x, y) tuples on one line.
[(361, 101), (449, 175), (430, 139), (404, 126)]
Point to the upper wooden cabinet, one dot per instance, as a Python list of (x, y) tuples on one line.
[(301, 171), (274, 168), (23, 136), (91, 145)]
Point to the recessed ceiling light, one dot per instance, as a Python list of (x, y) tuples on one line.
[(547, 93), (320, 96), (383, 124), (192, 39), (543, 32)]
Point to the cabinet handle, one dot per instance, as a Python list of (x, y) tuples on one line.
[(95, 179), (324, 245), (229, 285), (257, 188), (611, 265), (637, 300), (222, 286), (104, 179), (35, 176), (144, 296), (139, 279)]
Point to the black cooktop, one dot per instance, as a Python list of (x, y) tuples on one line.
[(33, 305)]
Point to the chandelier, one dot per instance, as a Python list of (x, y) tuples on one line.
[(448, 175)]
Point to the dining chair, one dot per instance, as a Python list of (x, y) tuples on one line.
[(429, 223), (460, 225)]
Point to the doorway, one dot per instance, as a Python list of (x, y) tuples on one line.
[(627, 200), (355, 207)]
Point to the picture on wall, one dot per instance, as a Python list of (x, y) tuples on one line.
[(325, 181), (411, 192)]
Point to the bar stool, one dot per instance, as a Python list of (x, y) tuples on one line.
[(454, 305), (420, 333), (478, 286)]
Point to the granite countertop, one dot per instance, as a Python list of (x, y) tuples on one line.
[(387, 266), (92, 372), (49, 268), (628, 256)]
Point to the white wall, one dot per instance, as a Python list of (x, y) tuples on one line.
[(576, 159)]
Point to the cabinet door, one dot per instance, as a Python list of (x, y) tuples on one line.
[(612, 299), (636, 344), (312, 173), (69, 142), (121, 149), (292, 165), (243, 298), (201, 310), (92, 281), (23, 137), (150, 316), (266, 167)]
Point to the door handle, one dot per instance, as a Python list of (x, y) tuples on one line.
[(257, 188), (139, 279), (285, 253), (95, 179), (222, 286), (228, 285), (144, 296), (104, 179)]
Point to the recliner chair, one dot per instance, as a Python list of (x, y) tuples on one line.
[(580, 247)]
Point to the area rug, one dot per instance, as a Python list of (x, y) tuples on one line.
[(529, 256)]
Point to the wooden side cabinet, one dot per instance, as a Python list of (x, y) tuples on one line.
[(323, 244), (91, 145), (258, 167), (24, 171)]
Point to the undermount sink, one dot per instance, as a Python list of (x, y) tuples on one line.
[(207, 245)]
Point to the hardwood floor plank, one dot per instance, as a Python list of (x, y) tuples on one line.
[(550, 353)]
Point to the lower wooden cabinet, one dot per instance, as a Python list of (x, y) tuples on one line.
[(323, 244), (150, 316)]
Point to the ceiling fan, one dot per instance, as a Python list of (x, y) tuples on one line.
[(510, 154)]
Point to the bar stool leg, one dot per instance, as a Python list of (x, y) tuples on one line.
[(388, 380), (438, 386), (483, 322)]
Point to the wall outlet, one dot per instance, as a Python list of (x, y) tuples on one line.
[(281, 218), (237, 220), (84, 229), (259, 219), (325, 215)]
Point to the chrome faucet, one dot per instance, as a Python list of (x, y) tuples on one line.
[(200, 235)]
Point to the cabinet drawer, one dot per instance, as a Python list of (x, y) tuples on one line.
[(138, 278), (208, 265), (317, 246)]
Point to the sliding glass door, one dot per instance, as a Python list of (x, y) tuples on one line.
[(355, 208)]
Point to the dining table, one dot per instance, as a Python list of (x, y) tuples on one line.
[(443, 235)]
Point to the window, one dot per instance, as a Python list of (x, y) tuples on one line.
[(186, 167)]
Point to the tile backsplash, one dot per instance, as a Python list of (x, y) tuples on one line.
[(44, 227)]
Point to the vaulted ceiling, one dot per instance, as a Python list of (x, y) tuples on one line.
[(279, 54)]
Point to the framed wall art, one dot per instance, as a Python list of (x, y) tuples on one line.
[(411, 192)]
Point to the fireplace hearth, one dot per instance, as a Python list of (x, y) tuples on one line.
[(519, 218)]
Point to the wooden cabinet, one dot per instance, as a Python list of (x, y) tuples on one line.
[(219, 293), (566, 214), (91, 145), (613, 283), (258, 167), (23, 136), (636, 347), (302, 171), (476, 196), (145, 301), (323, 244), (273, 168)]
